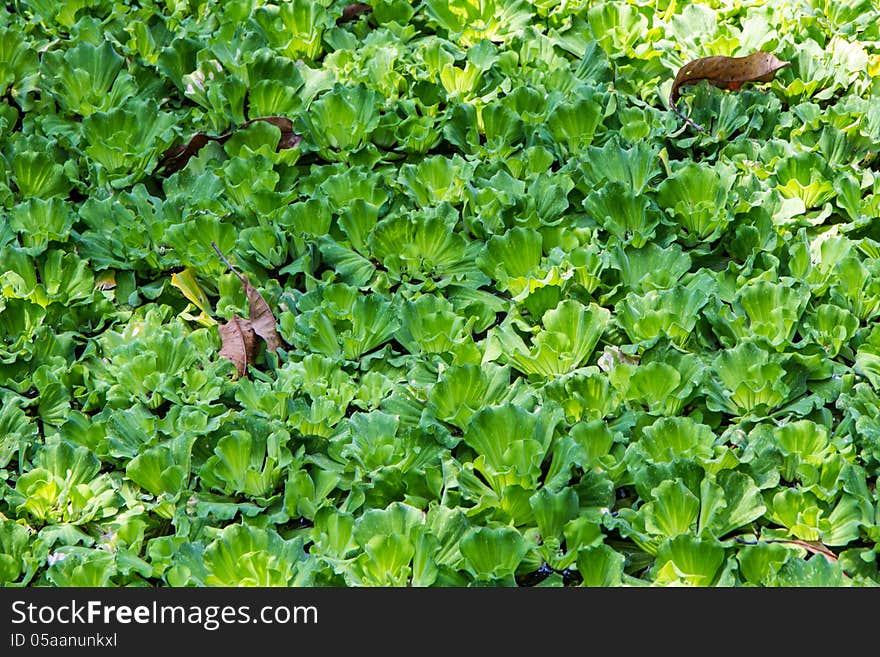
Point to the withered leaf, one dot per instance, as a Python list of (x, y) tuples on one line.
[(175, 158), (261, 318), (725, 73), (353, 11), (289, 140), (239, 343), (813, 547)]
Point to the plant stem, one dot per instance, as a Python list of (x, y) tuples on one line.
[(228, 264), (686, 119)]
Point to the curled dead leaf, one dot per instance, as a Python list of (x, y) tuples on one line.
[(725, 73), (239, 342), (176, 157), (261, 317)]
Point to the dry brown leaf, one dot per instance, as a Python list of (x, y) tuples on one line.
[(261, 317), (176, 157), (239, 343), (725, 73)]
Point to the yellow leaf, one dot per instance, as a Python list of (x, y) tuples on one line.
[(873, 66), (185, 281)]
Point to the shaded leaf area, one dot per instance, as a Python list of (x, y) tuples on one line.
[(440, 296)]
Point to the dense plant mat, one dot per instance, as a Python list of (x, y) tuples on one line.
[(429, 293)]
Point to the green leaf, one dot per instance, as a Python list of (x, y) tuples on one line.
[(430, 325), (595, 438), (625, 214), (807, 519), (85, 78), (18, 63), (569, 334), (163, 469), (759, 564), (65, 277), (846, 519), (249, 556), (342, 120), (493, 553), (125, 142), (805, 176), (573, 125), (816, 572), (805, 446), (552, 512), (672, 313), (832, 327), (295, 28), (54, 406), (333, 536), (600, 565), (421, 247), (750, 380), (40, 221), (688, 560), (14, 544), (436, 179), (672, 511), (695, 196), (397, 519), (616, 26), (632, 168), (385, 561), (728, 501), (490, 433), (81, 567), (669, 438), (247, 464), (374, 442), (470, 21), (510, 257), (37, 175), (17, 430), (774, 309), (353, 268), (462, 390)]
